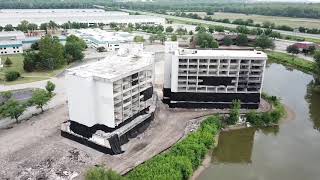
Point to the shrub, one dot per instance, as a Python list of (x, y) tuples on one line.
[(100, 173), (8, 62), (267, 118), (12, 75)]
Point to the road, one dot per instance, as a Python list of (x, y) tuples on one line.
[(305, 35), (281, 46)]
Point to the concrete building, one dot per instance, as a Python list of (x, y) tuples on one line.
[(95, 38), (60, 16), (213, 78), (14, 42), (109, 99)]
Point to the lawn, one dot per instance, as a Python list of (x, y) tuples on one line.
[(17, 65), (289, 21)]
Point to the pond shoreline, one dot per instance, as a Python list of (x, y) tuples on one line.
[(289, 116)]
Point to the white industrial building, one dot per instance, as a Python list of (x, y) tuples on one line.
[(108, 99), (60, 16), (111, 41), (14, 42), (213, 78)]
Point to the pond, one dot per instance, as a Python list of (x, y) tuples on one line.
[(290, 151)]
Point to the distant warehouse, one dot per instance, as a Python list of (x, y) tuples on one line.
[(213, 78), (60, 16)]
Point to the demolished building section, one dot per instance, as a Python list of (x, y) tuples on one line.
[(213, 78), (110, 101)]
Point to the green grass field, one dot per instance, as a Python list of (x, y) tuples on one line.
[(292, 22), (26, 77)]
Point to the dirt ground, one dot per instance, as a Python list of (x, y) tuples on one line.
[(34, 148)]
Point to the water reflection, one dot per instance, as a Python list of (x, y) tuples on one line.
[(312, 98), (235, 146)]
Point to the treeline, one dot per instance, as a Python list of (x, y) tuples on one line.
[(301, 10), (247, 22), (50, 4), (26, 26)]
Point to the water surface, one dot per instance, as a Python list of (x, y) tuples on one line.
[(290, 151)]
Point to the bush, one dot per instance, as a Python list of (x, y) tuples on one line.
[(100, 173), (267, 118), (12, 75), (185, 157), (8, 62)]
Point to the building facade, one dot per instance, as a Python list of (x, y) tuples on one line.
[(214, 78), (110, 98), (14, 42), (60, 16)]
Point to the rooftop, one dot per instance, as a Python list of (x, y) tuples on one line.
[(114, 67), (221, 53)]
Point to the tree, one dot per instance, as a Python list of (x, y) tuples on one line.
[(152, 38), (227, 41), (174, 37), (242, 30), (292, 49), (30, 61), (23, 26), (169, 29), (35, 46), (12, 75), (50, 87), (8, 62), (201, 28), (242, 40), (264, 42), (162, 37), (219, 28), (316, 57), (73, 50), (32, 27), (234, 112), (211, 28), (13, 109), (8, 27), (51, 53), (40, 98), (205, 40)]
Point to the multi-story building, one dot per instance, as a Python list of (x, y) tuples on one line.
[(213, 78), (109, 99)]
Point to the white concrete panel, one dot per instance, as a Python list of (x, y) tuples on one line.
[(104, 103), (81, 99)]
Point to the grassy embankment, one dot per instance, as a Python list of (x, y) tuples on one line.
[(291, 61), (179, 162), (26, 77)]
